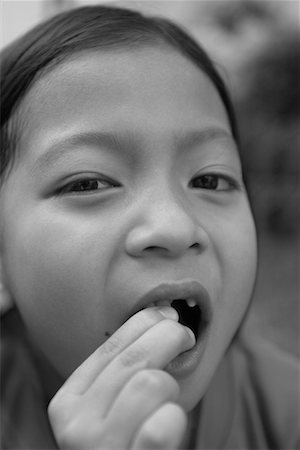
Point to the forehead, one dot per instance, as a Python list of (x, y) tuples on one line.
[(147, 89)]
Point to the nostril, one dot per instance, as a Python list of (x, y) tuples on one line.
[(163, 240), (151, 248)]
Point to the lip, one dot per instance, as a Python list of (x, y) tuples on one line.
[(185, 363), (177, 291)]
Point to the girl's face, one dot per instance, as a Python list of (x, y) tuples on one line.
[(128, 177)]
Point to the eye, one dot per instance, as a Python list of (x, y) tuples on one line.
[(88, 185), (214, 182)]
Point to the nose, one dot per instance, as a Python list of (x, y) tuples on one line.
[(164, 226)]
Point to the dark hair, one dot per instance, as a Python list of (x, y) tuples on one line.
[(89, 27)]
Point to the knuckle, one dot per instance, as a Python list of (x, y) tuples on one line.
[(61, 410), (133, 357), (68, 438), (156, 381), (151, 380), (64, 433), (55, 407), (52, 406), (79, 432), (110, 347)]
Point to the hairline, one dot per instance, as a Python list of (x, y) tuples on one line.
[(16, 123), (154, 37)]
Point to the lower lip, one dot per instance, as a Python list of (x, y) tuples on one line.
[(185, 364)]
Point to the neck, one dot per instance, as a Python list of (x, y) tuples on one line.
[(50, 378)]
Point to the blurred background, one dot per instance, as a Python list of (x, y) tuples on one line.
[(256, 46)]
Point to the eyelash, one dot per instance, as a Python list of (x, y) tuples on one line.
[(70, 187), (215, 178)]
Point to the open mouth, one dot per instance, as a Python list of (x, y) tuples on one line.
[(190, 299), (190, 315), (193, 304)]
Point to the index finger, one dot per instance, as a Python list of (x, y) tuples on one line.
[(130, 331)]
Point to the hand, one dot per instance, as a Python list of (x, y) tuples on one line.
[(120, 398)]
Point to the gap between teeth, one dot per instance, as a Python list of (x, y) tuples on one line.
[(190, 302)]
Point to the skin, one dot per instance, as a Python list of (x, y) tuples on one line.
[(76, 263)]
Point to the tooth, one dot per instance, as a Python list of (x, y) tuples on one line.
[(191, 302)]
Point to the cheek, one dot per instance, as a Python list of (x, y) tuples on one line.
[(240, 270), (44, 257), (57, 272), (238, 264), (235, 251)]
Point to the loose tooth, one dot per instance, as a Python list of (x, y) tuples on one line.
[(191, 302)]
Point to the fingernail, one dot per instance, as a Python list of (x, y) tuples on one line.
[(168, 312)]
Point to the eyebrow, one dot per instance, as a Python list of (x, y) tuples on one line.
[(194, 138), (113, 141), (120, 141)]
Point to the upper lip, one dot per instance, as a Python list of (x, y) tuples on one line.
[(177, 291)]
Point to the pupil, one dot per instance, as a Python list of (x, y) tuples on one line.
[(207, 182), (86, 185)]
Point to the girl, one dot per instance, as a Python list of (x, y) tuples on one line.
[(128, 246)]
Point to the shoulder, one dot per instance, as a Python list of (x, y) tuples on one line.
[(253, 399), (268, 366), (24, 422), (266, 379)]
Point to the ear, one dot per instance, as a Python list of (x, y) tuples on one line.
[(6, 301)]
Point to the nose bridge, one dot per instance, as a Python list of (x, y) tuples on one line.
[(165, 222), (168, 208)]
